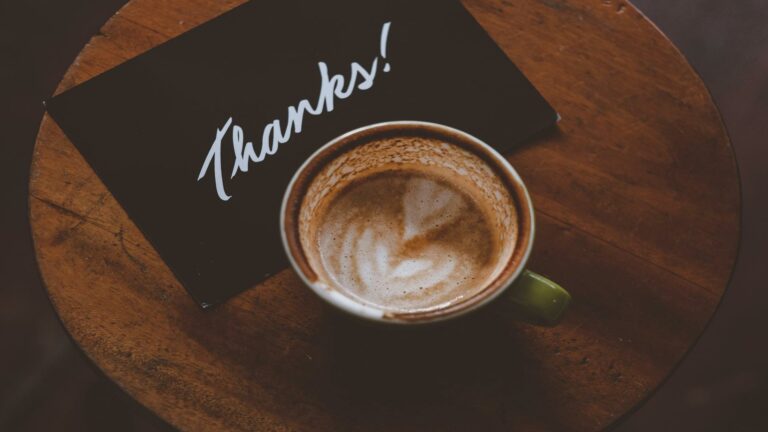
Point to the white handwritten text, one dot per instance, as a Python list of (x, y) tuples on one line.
[(276, 133)]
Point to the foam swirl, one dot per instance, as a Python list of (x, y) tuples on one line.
[(405, 241)]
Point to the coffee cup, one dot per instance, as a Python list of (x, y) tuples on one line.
[(412, 222)]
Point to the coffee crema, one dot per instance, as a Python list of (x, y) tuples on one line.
[(407, 224)]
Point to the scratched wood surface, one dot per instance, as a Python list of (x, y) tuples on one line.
[(637, 201)]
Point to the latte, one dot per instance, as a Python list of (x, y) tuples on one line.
[(407, 224)]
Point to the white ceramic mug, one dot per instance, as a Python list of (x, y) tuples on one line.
[(532, 296)]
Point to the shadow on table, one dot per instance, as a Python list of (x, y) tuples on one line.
[(465, 374)]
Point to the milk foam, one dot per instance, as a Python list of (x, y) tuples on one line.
[(406, 241)]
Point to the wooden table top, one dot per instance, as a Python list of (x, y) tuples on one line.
[(638, 209)]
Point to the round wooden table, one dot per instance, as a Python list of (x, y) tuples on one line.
[(637, 198)]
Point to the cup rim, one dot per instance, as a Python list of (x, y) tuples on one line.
[(356, 308)]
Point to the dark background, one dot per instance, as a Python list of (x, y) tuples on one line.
[(46, 383)]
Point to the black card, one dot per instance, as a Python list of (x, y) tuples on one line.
[(272, 81)]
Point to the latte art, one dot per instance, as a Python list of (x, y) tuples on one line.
[(406, 222), (406, 240)]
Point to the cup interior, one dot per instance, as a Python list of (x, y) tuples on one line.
[(414, 147)]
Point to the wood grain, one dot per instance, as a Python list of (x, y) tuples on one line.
[(638, 208)]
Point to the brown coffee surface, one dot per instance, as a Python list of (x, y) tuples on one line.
[(407, 240)]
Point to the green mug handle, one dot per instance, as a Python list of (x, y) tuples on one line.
[(538, 300)]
